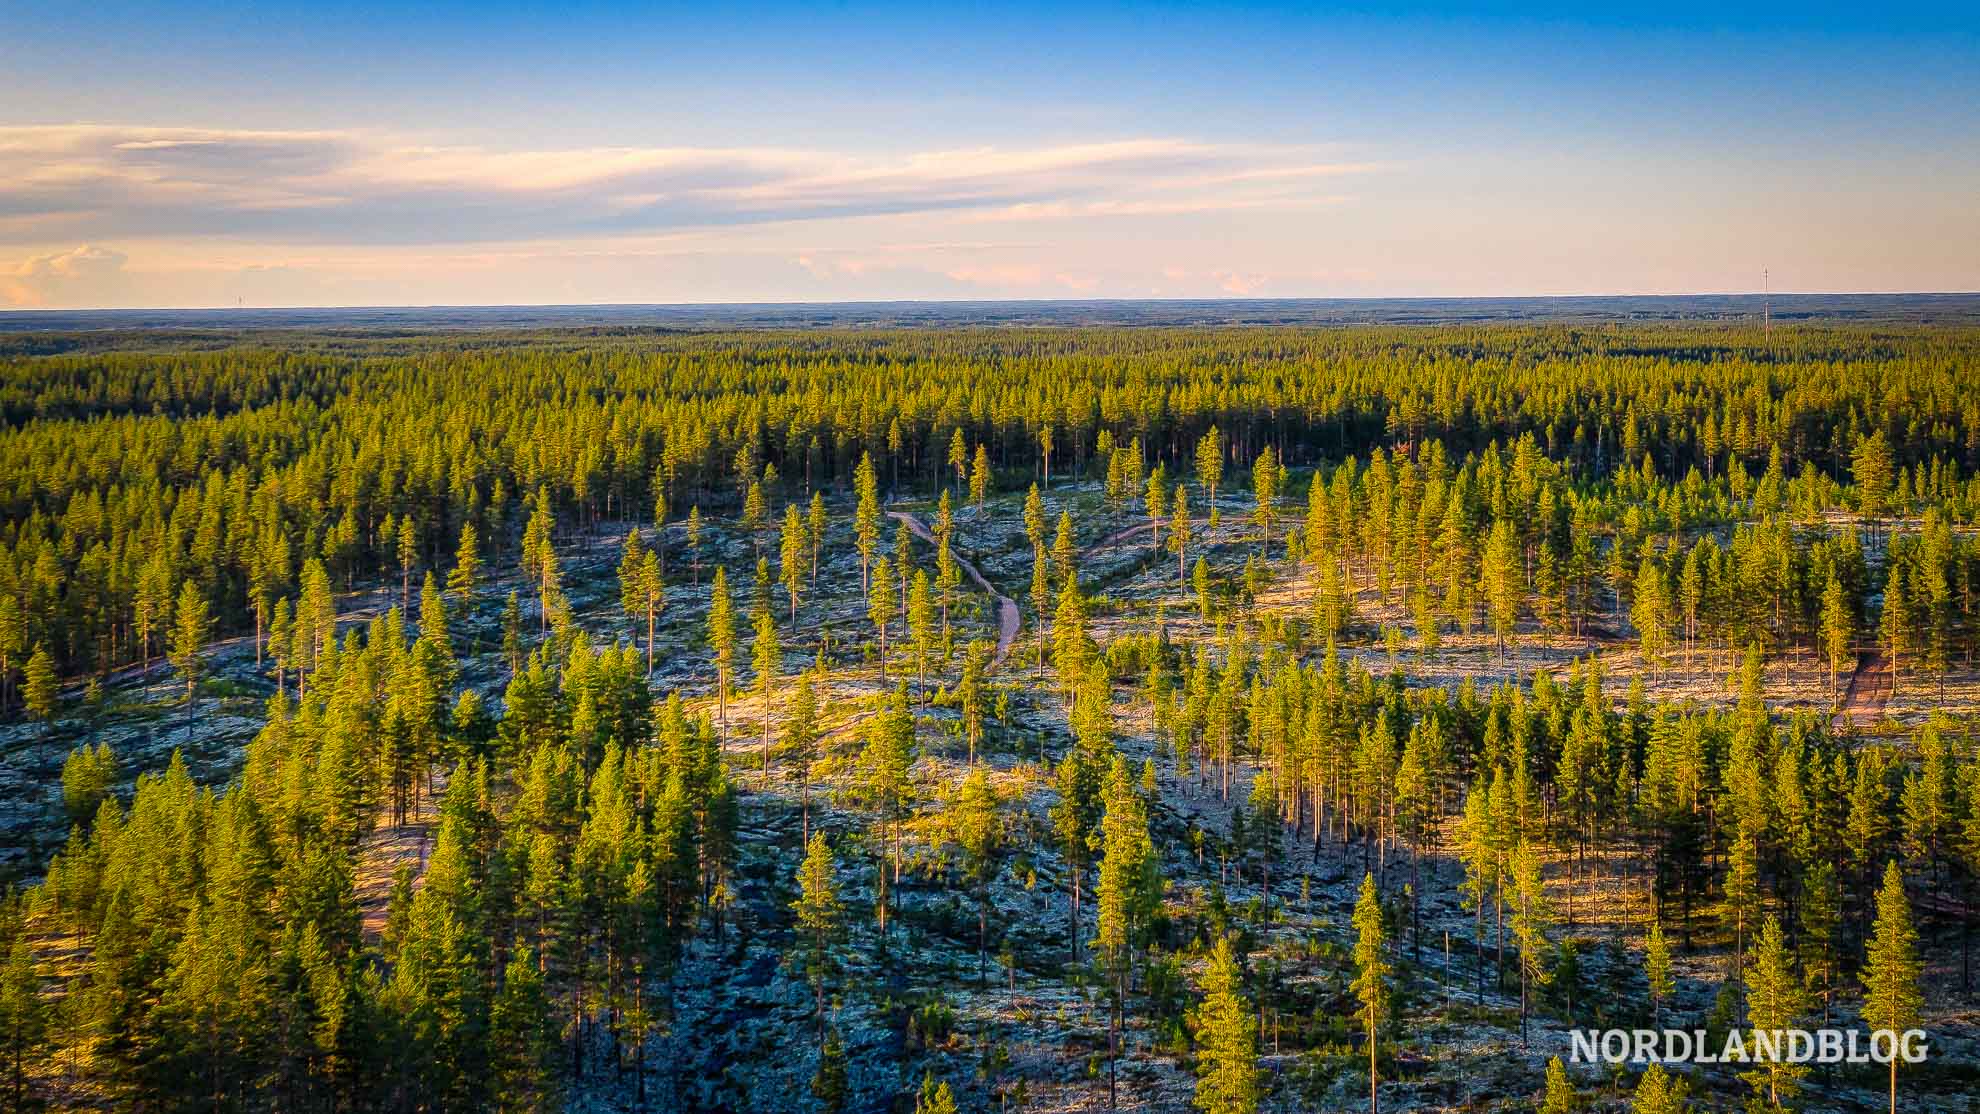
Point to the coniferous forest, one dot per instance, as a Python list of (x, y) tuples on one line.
[(1023, 719)]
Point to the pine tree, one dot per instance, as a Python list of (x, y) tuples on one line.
[(1560, 1097), (969, 694), (87, 775), (767, 657), (819, 916), (1838, 630), (1210, 464), (190, 628), (633, 589), (1891, 968), (1073, 817), (1742, 893), (801, 739), (829, 1084), (1065, 551), (1500, 574), (523, 1038), (979, 479), (1179, 532), (1658, 1092), (1227, 1040), (1531, 919), (38, 687), (755, 508), (1371, 981), (934, 1098), (921, 628), (1653, 614), (794, 546), (408, 557), (1265, 480), (1155, 501), (1774, 1004), (959, 457), (694, 541), (1479, 851), (1041, 599), (880, 606), (23, 1020), (866, 518), (978, 828), (1657, 971), (722, 640), (888, 763), (1871, 467), (1128, 893), (465, 576)]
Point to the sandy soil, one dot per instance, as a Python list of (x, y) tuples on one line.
[(1007, 608)]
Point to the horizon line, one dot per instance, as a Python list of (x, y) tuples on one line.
[(17, 310)]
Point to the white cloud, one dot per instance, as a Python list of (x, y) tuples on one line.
[(90, 182)]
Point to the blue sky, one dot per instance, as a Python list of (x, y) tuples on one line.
[(445, 153)]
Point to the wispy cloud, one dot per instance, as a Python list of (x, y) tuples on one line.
[(51, 279), (92, 182)]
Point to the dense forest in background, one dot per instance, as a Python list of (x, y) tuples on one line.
[(682, 648)]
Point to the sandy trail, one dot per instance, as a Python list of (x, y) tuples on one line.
[(1869, 690), (1007, 608), (385, 847)]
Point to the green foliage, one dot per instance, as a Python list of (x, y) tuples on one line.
[(569, 832), (1227, 1076)]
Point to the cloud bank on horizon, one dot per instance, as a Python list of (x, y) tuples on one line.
[(1261, 172)]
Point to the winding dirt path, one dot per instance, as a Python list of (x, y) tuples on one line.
[(1007, 608), (1870, 687), (1115, 538), (1135, 531)]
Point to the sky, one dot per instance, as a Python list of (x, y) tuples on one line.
[(284, 154)]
